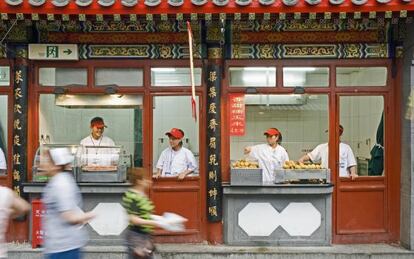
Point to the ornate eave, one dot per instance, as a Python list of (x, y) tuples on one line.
[(202, 9)]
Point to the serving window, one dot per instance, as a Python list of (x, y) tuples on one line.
[(174, 112), (65, 119), (301, 119)]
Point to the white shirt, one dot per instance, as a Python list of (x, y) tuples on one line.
[(269, 159), (346, 157), (3, 164), (173, 162), (6, 198), (98, 156)]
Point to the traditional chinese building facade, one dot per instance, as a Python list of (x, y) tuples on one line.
[(144, 35)]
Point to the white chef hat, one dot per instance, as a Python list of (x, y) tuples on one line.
[(61, 156)]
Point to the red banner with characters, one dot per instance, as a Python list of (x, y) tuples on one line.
[(237, 115)]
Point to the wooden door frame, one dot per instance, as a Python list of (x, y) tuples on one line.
[(35, 90), (392, 90)]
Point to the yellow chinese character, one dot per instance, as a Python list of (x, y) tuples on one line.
[(16, 140), (212, 108), (213, 193), (16, 190), (212, 143), (18, 77), (213, 124), (17, 124), (212, 76), (212, 211), (212, 159), (16, 159), (18, 93), (16, 175), (212, 92), (212, 175), (18, 108)]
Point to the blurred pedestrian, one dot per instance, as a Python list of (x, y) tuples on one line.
[(11, 206), (139, 209), (62, 223)]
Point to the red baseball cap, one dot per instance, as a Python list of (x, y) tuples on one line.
[(272, 132), (98, 122), (176, 133)]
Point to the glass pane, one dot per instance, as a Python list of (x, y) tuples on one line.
[(306, 76), (174, 112), (363, 135), (3, 134), (4, 76), (361, 76), (252, 76), (174, 76), (119, 77), (59, 76), (124, 124), (301, 119)]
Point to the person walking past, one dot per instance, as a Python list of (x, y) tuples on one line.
[(140, 211), (62, 223), (11, 206)]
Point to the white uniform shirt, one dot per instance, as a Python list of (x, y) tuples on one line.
[(269, 159), (173, 162), (346, 160), (98, 156), (6, 198), (3, 164)]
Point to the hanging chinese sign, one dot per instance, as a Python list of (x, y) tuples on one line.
[(214, 204), (237, 115), (20, 94)]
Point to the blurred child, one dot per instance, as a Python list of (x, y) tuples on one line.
[(11, 205), (139, 209), (62, 223)]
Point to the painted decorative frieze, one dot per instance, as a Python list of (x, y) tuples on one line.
[(144, 51), (292, 51)]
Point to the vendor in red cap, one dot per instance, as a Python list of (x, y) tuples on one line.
[(347, 162), (175, 160), (96, 138), (98, 156), (271, 156)]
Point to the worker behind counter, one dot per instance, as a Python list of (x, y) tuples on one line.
[(271, 155), (98, 156), (175, 160), (347, 162)]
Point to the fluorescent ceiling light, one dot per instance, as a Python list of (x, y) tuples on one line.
[(163, 69), (299, 69)]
